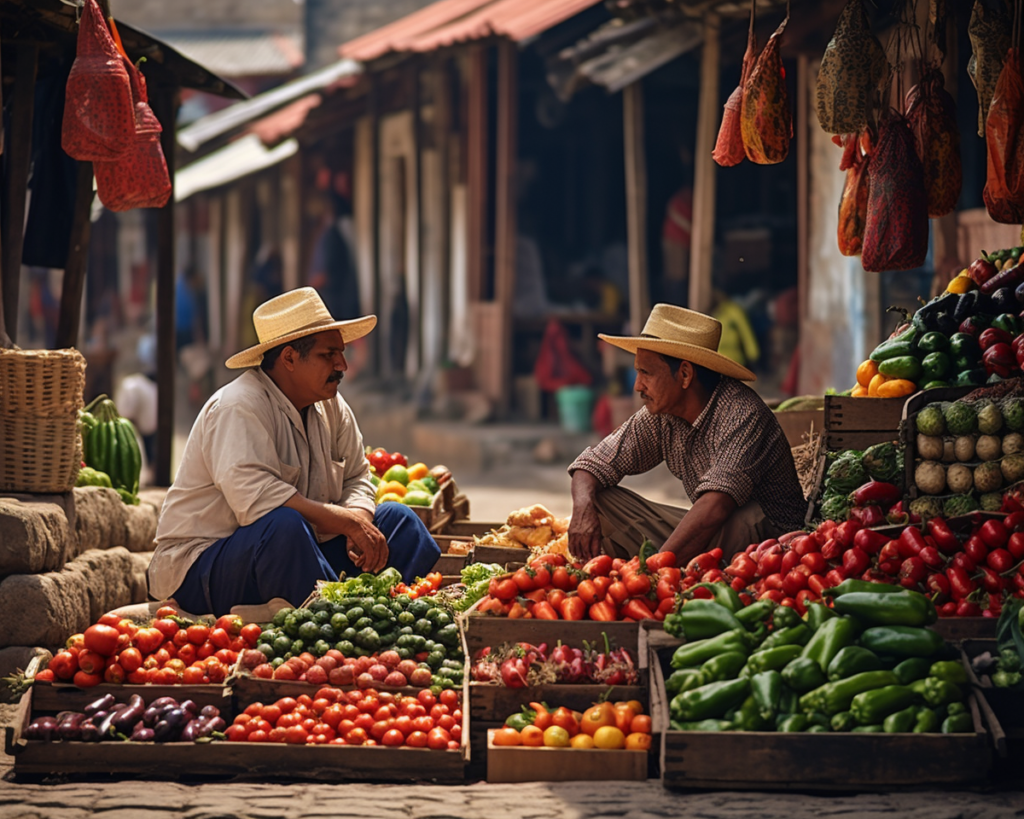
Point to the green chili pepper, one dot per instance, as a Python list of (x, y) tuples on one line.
[(852, 585), (766, 689), (750, 717), (871, 707), (785, 617), (702, 725), (837, 696), (912, 669), (803, 674), (902, 641), (843, 721), (701, 619), (941, 692), (900, 722), (955, 708), (867, 729), (772, 659), (696, 653), (817, 613), (904, 608), (709, 701), (793, 636), (926, 721), (852, 660), (829, 639), (950, 670), (682, 680), (958, 724), (756, 613), (723, 594), (723, 667), (817, 729), (794, 723)]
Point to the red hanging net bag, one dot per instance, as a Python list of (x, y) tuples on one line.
[(931, 114), (853, 205), (139, 179), (729, 149), (896, 225), (765, 119), (99, 122), (1004, 182)]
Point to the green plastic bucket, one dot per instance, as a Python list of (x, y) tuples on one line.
[(574, 406)]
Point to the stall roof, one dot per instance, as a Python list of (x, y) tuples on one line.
[(244, 53), (241, 158), (447, 22)]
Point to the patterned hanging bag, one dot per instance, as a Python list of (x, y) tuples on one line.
[(765, 119), (1004, 139), (990, 32), (853, 205), (729, 145)]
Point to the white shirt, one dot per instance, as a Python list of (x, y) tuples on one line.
[(136, 400), (247, 454)]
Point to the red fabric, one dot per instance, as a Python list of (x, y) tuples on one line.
[(896, 227), (765, 119), (729, 149), (678, 224), (99, 123), (139, 179), (931, 114), (853, 206), (557, 365), (1004, 184)]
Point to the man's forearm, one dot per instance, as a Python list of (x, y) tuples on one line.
[(333, 520), (699, 526), (584, 488)]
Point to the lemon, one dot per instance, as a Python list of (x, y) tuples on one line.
[(609, 738), (556, 737), (397, 473)]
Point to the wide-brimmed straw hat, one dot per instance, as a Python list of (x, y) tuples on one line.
[(681, 333), (293, 315)]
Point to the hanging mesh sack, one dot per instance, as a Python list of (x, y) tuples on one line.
[(765, 120), (931, 114), (729, 145), (896, 225), (853, 205), (851, 71), (139, 179), (1004, 191), (989, 30), (99, 123)]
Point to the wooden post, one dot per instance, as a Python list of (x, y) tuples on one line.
[(476, 171), (164, 101), (215, 266), (377, 340), (415, 294), (78, 257), (505, 206), (19, 157), (802, 191), (703, 237), (636, 203), (442, 127)]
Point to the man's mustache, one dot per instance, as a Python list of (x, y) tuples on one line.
[(335, 378)]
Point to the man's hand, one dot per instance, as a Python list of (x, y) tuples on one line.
[(367, 547), (584, 533)]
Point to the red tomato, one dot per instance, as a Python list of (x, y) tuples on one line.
[(64, 665), (197, 634), (46, 675), (296, 735), (235, 733), (193, 675), (449, 697), (220, 638), (251, 633), (168, 628), (102, 639), (438, 739), (426, 698), (188, 654), (114, 674), (357, 736), (91, 663), (417, 739), (393, 738)]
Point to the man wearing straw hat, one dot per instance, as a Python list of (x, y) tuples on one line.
[(714, 433), (273, 492)]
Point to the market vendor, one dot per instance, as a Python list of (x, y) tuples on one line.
[(273, 491), (715, 434)]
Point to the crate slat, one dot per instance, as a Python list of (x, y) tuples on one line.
[(844, 413), (481, 630), (519, 764), (490, 702), (67, 697)]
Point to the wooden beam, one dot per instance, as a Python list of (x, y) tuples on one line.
[(636, 203), (19, 157), (415, 293), (378, 345), (163, 99), (442, 128), (215, 273), (703, 237), (78, 258), (505, 205), (476, 171), (803, 91), (5, 340)]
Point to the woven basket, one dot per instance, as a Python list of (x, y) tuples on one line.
[(39, 454), (41, 382)]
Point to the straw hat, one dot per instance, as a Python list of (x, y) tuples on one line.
[(681, 333), (293, 315)]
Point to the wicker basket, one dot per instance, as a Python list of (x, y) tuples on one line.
[(41, 382), (40, 395)]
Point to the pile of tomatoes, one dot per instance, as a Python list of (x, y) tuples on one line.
[(381, 460), (604, 589), (170, 650), (358, 717), (385, 668), (425, 587), (622, 726)]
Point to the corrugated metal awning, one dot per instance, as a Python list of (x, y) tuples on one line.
[(241, 53), (241, 158), (447, 22)]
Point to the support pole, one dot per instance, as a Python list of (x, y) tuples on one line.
[(505, 206), (476, 161), (78, 257), (703, 237), (802, 186), (636, 203)]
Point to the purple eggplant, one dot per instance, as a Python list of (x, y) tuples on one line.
[(159, 702), (190, 706), (152, 715), (190, 733), (106, 727), (70, 729), (142, 734), (130, 714), (212, 726), (90, 730), (104, 703), (168, 729), (210, 711), (44, 728)]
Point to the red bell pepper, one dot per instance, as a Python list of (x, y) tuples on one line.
[(636, 608), (938, 587), (833, 549), (835, 577), (866, 516), (945, 541), (991, 581), (999, 360), (870, 541), (930, 557), (960, 583), (604, 612), (994, 533), (913, 569), (846, 531), (877, 492), (910, 542), (855, 561), (965, 608)]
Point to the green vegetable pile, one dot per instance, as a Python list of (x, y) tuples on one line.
[(868, 665), (1006, 669), (110, 450), (365, 585), (360, 626)]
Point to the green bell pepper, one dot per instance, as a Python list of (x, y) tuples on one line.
[(723, 667), (709, 701), (682, 680), (789, 702), (772, 659), (901, 722), (926, 721), (522, 719), (867, 729), (818, 718), (833, 636), (871, 707), (837, 696), (912, 669), (785, 617), (793, 723), (723, 594), (803, 674), (700, 619), (756, 613), (958, 724), (817, 613), (843, 721), (852, 660), (699, 652), (955, 708), (702, 725), (766, 689), (750, 717), (87, 476), (817, 729), (933, 342), (904, 608), (941, 692), (792, 636), (950, 670), (902, 641)]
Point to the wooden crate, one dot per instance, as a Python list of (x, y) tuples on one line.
[(798, 423), (761, 760), (483, 630), (914, 405), (1007, 704), (954, 629), (490, 702), (843, 413), (511, 559), (325, 763), (67, 697), (562, 764)]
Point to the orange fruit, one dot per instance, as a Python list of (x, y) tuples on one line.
[(532, 736), (506, 737), (609, 738), (582, 741), (391, 487), (866, 371), (638, 742), (876, 382), (417, 471), (859, 392), (641, 725)]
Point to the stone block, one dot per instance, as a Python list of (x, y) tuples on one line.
[(140, 582), (44, 609), (34, 537), (101, 518), (140, 527)]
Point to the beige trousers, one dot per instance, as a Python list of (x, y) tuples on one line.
[(627, 518)]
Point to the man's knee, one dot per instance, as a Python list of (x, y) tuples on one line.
[(402, 528), (390, 516)]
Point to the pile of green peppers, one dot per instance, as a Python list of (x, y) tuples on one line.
[(867, 665)]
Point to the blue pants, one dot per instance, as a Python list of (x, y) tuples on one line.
[(278, 556)]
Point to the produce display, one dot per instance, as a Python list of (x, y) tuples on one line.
[(110, 450), (866, 665), (1005, 669), (358, 717), (968, 336), (966, 451), (532, 527), (398, 482), (522, 665), (605, 589), (168, 651), (605, 726), (967, 573), (106, 719), (862, 485)]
